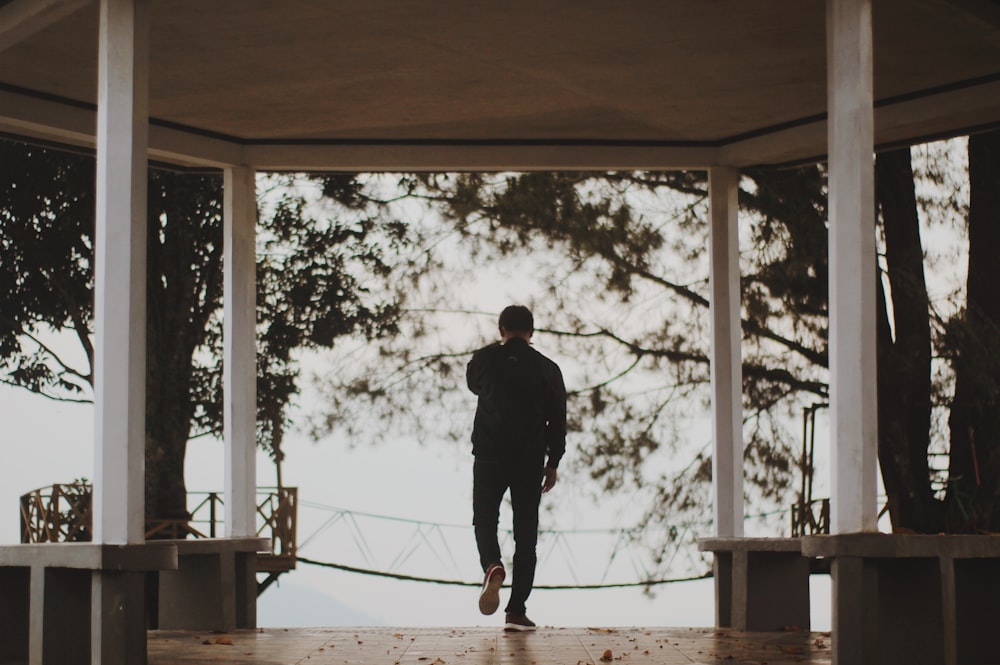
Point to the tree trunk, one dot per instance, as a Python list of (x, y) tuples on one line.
[(974, 488), (168, 422), (184, 263), (904, 355)]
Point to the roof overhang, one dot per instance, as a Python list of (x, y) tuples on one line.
[(392, 85)]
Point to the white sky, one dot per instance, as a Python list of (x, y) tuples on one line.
[(51, 442)]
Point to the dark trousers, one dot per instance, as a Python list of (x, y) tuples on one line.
[(491, 480)]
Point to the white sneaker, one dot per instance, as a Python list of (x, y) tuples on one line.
[(489, 597)]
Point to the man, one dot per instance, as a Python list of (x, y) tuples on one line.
[(520, 419)]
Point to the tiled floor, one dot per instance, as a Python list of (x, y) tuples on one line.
[(487, 646)]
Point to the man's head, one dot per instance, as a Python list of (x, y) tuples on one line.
[(516, 321)]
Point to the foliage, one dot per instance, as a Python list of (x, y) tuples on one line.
[(46, 269), (616, 268), (319, 281)]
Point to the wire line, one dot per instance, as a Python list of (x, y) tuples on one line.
[(549, 587)]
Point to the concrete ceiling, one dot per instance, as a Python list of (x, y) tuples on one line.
[(688, 80)]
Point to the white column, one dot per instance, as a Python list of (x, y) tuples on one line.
[(726, 360), (120, 273), (240, 354), (852, 265)]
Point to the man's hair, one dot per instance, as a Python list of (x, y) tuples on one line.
[(517, 318)]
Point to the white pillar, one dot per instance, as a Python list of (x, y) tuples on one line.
[(120, 273), (240, 354), (852, 265), (726, 360)]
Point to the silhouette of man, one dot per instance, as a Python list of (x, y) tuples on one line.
[(520, 420)]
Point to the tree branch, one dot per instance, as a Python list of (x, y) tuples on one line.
[(52, 354), (813, 356), (784, 377), (54, 398)]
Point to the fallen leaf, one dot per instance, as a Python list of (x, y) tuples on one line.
[(607, 656), (224, 640)]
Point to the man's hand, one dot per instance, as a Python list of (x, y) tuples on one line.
[(549, 481)]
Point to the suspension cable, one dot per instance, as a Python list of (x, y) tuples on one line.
[(547, 587)]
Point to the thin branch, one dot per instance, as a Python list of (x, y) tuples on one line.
[(54, 398), (608, 381), (679, 289), (55, 356), (634, 348), (83, 336), (816, 357), (784, 377), (79, 327)]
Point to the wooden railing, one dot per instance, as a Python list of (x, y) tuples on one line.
[(811, 518), (62, 514), (57, 514)]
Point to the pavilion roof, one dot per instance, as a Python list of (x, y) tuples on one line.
[(453, 83)]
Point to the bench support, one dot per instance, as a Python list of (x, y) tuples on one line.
[(214, 586), (76, 603), (761, 584), (912, 599)]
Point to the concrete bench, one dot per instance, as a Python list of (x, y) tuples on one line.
[(761, 584), (912, 599), (61, 602), (214, 586)]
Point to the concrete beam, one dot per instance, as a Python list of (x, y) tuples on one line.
[(472, 157)]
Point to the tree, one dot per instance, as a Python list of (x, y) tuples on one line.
[(904, 352), (640, 238), (319, 281), (622, 257), (972, 340)]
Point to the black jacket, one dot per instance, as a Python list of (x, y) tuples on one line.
[(521, 414)]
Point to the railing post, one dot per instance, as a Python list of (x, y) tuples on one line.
[(212, 497)]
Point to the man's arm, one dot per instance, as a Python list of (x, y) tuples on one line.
[(555, 427), (549, 479), (476, 372)]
